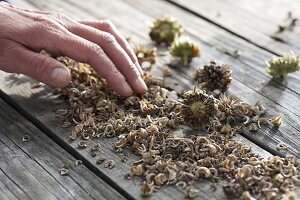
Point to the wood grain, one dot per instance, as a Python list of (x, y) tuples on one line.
[(255, 21), (30, 170), (250, 82), (36, 104)]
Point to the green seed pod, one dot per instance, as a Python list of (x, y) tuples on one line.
[(281, 66), (165, 30), (197, 108), (185, 49), (214, 76)]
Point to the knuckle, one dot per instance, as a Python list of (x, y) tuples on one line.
[(108, 24), (58, 16), (109, 38), (96, 50), (38, 65)]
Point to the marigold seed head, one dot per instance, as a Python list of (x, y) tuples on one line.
[(214, 76), (185, 49), (165, 30), (281, 66), (197, 108)]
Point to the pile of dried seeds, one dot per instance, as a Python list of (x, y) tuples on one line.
[(151, 126)]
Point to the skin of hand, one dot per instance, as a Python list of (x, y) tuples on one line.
[(24, 33)]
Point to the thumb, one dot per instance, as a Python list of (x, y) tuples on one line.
[(42, 68)]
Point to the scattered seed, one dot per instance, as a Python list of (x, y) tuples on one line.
[(26, 138), (78, 162), (100, 160), (110, 164), (277, 120), (82, 144), (281, 147)]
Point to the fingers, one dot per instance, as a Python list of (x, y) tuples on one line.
[(107, 26), (115, 52), (41, 68), (60, 35), (85, 51)]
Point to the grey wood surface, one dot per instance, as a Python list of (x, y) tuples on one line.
[(31, 170), (250, 82), (254, 20), (250, 79)]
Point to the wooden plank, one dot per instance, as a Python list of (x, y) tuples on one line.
[(37, 106), (42, 114), (38, 109), (256, 21), (247, 83), (30, 170)]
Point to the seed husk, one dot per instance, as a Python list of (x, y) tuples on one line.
[(150, 126), (26, 138)]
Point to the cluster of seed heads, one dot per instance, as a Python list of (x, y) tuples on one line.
[(167, 30), (152, 126)]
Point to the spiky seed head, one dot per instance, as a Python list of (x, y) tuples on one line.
[(197, 108), (281, 66), (165, 30), (185, 49), (214, 76)]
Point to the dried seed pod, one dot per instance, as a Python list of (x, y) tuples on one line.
[(82, 144), (64, 170), (277, 120), (160, 179), (247, 196), (78, 162), (244, 172), (147, 189), (85, 136), (254, 161), (94, 153), (73, 135), (197, 108), (185, 49), (165, 30), (214, 76), (202, 172), (253, 127), (281, 66), (137, 169), (181, 184), (166, 72), (145, 54), (95, 147), (110, 164), (26, 138), (281, 147), (100, 160), (192, 192), (289, 195)]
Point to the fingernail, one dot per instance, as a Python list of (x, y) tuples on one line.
[(139, 67), (59, 75), (140, 85), (126, 89)]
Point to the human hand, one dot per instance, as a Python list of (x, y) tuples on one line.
[(24, 33)]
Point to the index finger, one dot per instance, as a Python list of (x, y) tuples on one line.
[(108, 26)]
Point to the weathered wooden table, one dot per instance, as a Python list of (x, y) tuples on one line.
[(30, 170)]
